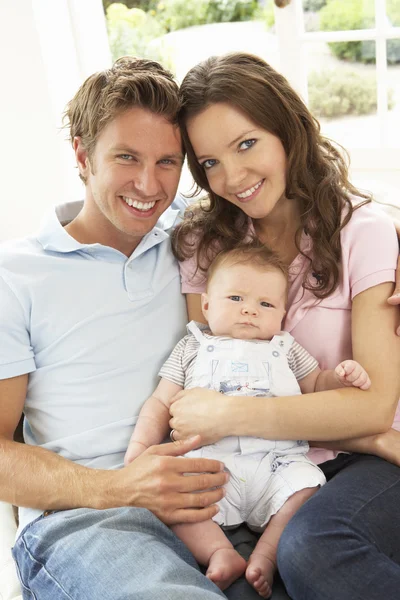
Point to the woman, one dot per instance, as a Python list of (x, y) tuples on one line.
[(255, 148)]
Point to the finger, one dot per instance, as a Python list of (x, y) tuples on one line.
[(187, 515), (177, 396), (178, 447), (200, 465), (359, 381), (203, 499), (366, 385), (202, 482), (354, 374), (340, 372)]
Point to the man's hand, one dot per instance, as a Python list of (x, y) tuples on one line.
[(351, 373), (174, 488)]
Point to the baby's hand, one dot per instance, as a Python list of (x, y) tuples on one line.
[(135, 449), (350, 372)]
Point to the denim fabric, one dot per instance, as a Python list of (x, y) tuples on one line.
[(345, 541), (118, 554)]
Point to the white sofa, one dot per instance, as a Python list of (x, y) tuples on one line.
[(10, 588)]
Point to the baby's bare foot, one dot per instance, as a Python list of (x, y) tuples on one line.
[(225, 566), (260, 574)]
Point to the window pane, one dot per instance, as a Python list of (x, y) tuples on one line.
[(343, 97), (339, 15), (393, 77)]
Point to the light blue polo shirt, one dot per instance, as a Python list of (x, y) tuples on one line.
[(92, 328)]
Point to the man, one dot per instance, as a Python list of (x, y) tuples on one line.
[(89, 309)]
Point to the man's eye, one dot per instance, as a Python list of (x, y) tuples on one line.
[(207, 164), (246, 144), (235, 298), (267, 305), (125, 156)]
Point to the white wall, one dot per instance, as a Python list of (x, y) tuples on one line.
[(43, 60)]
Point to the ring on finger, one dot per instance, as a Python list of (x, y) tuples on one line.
[(171, 435)]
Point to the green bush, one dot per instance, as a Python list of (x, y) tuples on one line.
[(178, 14), (343, 92), (132, 31), (358, 14), (313, 5)]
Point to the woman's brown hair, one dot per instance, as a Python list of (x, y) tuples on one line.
[(317, 173)]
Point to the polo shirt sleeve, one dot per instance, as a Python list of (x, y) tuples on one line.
[(16, 353), (370, 249)]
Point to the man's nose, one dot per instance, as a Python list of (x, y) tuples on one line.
[(146, 181)]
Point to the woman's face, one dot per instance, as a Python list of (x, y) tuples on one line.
[(243, 163)]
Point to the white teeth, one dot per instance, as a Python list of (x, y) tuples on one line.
[(139, 205), (250, 191)]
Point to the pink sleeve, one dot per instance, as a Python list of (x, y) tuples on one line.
[(370, 245), (192, 282)]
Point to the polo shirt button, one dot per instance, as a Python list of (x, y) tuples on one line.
[(275, 353), (210, 348)]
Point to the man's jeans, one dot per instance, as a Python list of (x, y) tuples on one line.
[(343, 543)]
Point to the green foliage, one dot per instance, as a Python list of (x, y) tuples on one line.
[(267, 14), (131, 32), (343, 92), (178, 14), (313, 5), (358, 14)]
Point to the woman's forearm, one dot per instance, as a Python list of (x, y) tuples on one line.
[(345, 413)]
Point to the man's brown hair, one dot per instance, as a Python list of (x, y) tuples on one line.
[(131, 82)]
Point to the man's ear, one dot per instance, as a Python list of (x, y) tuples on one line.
[(204, 305), (82, 158)]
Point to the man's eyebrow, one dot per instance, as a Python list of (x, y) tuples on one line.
[(233, 142), (128, 150)]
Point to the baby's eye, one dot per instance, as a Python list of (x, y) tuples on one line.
[(246, 144), (235, 298), (267, 305), (207, 164)]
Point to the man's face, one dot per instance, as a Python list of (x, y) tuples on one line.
[(131, 177)]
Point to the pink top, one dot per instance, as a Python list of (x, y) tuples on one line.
[(323, 328)]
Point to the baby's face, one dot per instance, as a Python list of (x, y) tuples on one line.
[(245, 302)]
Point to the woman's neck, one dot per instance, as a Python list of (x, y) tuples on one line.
[(278, 230)]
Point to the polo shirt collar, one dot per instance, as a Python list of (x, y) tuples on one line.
[(53, 237)]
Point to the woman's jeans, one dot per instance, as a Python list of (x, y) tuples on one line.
[(344, 543)]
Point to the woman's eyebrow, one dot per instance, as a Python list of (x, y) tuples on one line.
[(232, 143)]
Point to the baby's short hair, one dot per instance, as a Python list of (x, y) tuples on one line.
[(254, 252)]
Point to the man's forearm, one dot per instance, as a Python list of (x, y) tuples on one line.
[(38, 478)]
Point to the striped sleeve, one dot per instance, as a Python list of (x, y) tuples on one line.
[(300, 361), (173, 368)]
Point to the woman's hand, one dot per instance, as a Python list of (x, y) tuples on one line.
[(201, 411)]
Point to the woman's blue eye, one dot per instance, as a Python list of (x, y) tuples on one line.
[(207, 164), (246, 144), (266, 304), (235, 298)]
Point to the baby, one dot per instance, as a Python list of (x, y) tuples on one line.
[(243, 351)]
